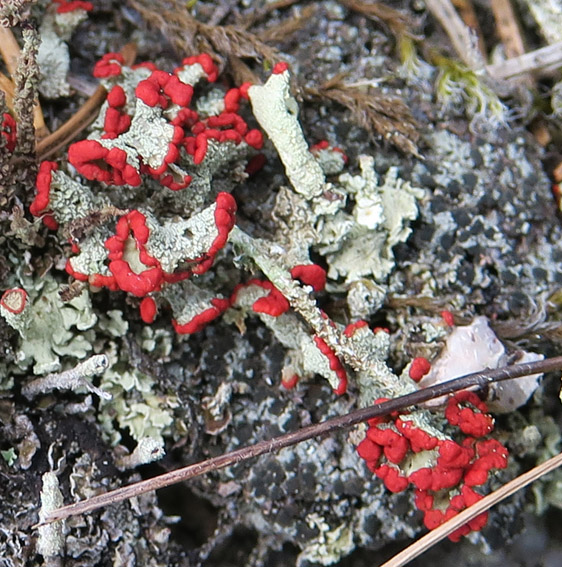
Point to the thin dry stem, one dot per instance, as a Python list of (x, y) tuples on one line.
[(543, 60), (8, 87), (240, 72), (398, 22), (436, 535), (478, 379), (9, 50), (462, 38), (508, 28), (468, 16)]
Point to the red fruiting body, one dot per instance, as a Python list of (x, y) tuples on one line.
[(419, 368), (322, 145), (325, 145), (381, 329), (137, 284), (148, 310), (418, 438), (335, 365), (219, 306), (273, 304), (152, 91), (109, 65), (225, 216), (254, 138), (244, 87), (232, 100), (395, 446), (40, 204), (8, 131), (140, 284), (255, 164), (491, 455), (448, 318), (291, 382), (457, 466), (349, 331), (211, 70), (280, 67), (70, 6), (310, 274), (116, 97), (471, 422), (115, 121), (14, 300), (98, 163), (392, 478), (369, 451)]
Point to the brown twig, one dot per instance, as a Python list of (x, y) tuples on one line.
[(82, 118), (9, 50), (478, 380), (508, 28), (459, 33), (468, 16), (189, 35), (8, 87), (398, 22), (436, 535)]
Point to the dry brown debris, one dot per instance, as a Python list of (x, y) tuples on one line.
[(373, 110), (190, 36)]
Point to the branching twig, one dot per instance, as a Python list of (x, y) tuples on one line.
[(189, 35), (478, 379)]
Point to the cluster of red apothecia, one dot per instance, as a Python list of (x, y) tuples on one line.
[(445, 488)]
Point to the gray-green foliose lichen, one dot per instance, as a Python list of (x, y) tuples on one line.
[(482, 205)]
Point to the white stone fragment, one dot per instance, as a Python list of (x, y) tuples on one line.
[(473, 348)]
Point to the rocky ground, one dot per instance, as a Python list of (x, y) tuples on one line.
[(485, 240)]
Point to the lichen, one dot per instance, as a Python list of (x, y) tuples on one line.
[(53, 57), (360, 244), (469, 228), (49, 327)]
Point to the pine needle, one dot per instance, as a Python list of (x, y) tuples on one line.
[(477, 379), (436, 535)]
